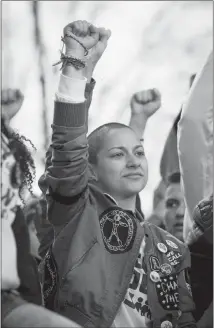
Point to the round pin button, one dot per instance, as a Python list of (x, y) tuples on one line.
[(171, 243), (162, 248), (154, 276), (166, 268), (166, 324)]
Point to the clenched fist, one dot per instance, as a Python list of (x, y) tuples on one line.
[(11, 102), (83, 32), (92, 38), (146, 102)]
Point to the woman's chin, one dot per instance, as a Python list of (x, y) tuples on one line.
[(134, 188)]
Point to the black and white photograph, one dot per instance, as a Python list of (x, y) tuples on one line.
[(107, 164)]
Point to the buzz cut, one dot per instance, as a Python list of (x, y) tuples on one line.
[(96, 138)]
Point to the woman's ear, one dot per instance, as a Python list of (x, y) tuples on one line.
[(92, 172)]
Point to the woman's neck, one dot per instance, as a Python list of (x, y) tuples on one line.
[(127, 203)]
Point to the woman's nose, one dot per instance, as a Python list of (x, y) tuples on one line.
[(181, 210), (133, 161)]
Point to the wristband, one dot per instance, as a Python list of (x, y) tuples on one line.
[(70, 60)]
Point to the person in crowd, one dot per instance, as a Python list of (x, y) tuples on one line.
[(20, 174), (157, 216), (20, 288), (140, 114), (107, 267), (174, 206), (200, 243), (33, 216)]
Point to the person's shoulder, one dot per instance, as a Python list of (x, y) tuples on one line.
[(165, 236)]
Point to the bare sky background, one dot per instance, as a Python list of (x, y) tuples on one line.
[(153, 44)]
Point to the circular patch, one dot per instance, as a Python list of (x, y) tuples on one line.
[(166, 268), (118, 230), (171, 243), (162, 248), (166, 324), (154, 276)]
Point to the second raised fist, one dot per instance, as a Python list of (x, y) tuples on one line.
[(146, 102)]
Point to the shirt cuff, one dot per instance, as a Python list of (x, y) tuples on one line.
[(71, 90)]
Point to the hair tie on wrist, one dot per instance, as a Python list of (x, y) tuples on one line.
[(71, 36)]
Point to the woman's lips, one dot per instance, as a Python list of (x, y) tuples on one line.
[(133, 175)]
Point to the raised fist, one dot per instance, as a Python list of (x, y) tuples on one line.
[(96, 52), (82, 31), (11, 102), (146, 102), (93, 39)]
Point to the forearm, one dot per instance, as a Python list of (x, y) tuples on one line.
[(68, 163), (138, 124), (72, 85), (75, 87)]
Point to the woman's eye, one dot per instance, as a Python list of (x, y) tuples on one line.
[(140, 153), (117, 155), (171, 204)]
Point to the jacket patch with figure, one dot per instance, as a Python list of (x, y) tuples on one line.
[(118, 230)]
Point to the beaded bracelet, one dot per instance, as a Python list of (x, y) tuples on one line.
[(70, 60)]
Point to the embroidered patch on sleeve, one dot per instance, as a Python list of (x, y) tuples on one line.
[(118, 230), (167, 291)]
